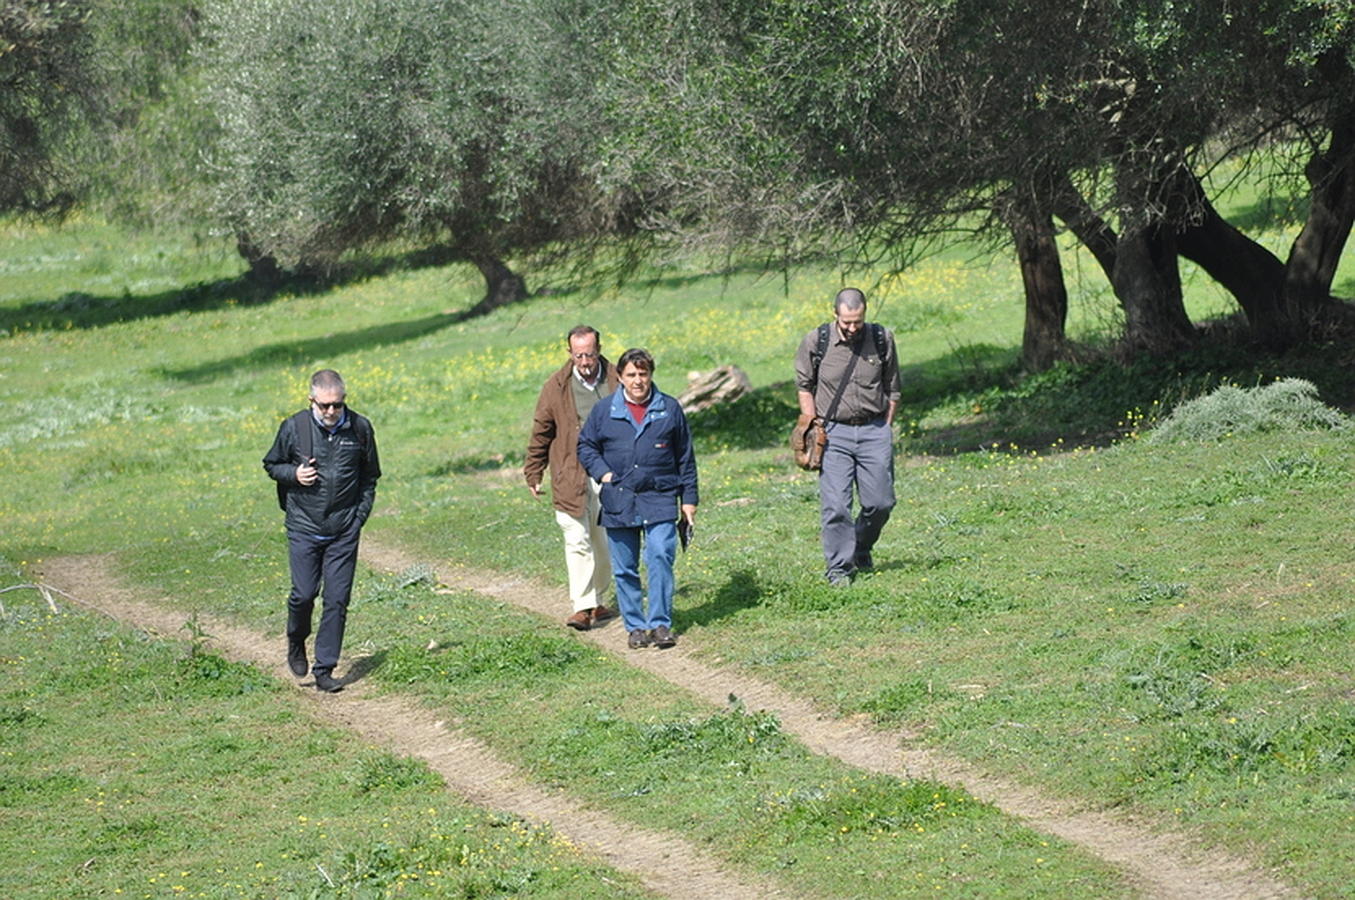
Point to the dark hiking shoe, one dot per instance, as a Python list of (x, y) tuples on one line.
[(864, 562), (839, 578), (327, 683), (638, 640), (663, 638), (296, 657)]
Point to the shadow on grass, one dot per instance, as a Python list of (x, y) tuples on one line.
[(740, 591), (643, 285), (1270, 214), (296, 352), (467, 465), (78, 310), (364, 666), (1098, 402), (988, 403), (760, 418)]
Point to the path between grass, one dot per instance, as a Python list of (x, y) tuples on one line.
[(468, 767), (1164, 864)]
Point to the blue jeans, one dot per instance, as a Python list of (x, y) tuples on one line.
[(860, 456), (660, 549)]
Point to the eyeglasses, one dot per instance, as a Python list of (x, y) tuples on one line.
[(337, 405), (585, 355)]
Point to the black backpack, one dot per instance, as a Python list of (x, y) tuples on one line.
[(301, 422)]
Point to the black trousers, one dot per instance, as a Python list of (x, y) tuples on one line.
[(314, 563)]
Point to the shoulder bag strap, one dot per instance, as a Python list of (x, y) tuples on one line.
[(842, 387)]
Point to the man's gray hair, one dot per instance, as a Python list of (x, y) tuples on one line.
[(850, 298), (328, 380)]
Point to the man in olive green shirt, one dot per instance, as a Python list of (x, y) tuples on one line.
[(847, 372)]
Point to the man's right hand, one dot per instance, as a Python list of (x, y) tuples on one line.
[(306, 473), (535, 489)]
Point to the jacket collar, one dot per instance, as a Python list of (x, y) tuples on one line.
[(566, 372), (655, 409)]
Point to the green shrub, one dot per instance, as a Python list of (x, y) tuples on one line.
[(1289, 404)]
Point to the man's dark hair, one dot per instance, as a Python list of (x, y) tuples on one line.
[(327, 380), (581, 331), (851, 298), (637, 355)]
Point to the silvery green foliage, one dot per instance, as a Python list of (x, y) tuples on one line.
[(1291, 404), (363, 120)]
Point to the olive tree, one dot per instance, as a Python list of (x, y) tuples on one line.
[(142, 149), (462, 123), (874, 129), (44, 81)]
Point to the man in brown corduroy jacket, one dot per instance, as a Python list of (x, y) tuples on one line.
[(566, 399)]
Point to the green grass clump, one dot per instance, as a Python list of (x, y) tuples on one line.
[(506, 656), (1288, 404)]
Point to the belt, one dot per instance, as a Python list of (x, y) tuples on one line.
[(861, 420)]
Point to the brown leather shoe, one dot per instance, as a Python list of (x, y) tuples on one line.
[(581, 620), (602, 614)]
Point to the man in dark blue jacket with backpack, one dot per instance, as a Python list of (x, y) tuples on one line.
[(325, 464)]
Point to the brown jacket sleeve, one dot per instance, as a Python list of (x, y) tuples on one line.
[(543, 433)]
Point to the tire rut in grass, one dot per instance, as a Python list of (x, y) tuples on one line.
[(1162, 863), (469, 768)]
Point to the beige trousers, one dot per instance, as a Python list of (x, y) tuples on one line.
[(589, 566)]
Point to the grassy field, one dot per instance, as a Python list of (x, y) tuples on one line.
[(133, 767), (1162, 628)]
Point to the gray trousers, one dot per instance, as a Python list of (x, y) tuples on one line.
[(860, 456)]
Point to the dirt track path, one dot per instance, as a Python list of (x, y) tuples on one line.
[(1163, 864), (666, 864)]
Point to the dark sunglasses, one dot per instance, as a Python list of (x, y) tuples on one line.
[(338, 405)]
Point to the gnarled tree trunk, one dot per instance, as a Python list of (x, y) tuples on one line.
[(502, 285), (1032, 227), (263, 266), (1248, 271), (1148, 283), (1085, 224), (1317, 250), (1146, 276)]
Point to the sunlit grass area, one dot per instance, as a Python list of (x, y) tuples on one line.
[(145, 768), (1158, 628)]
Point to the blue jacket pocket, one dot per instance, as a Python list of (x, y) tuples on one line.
[(616, 500)]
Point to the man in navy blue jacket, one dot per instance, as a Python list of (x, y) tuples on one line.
[(636, 444)]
